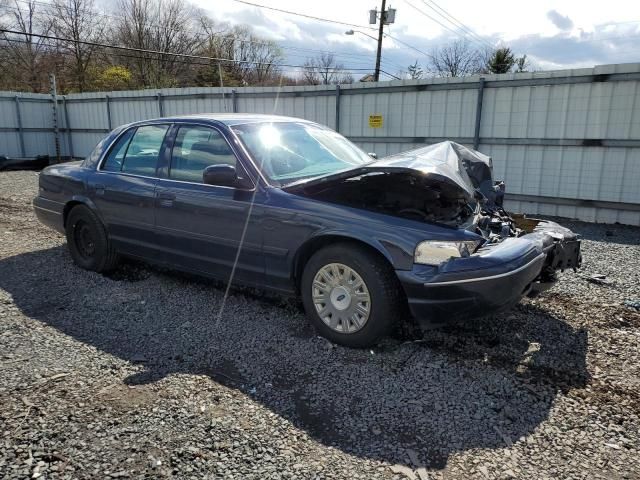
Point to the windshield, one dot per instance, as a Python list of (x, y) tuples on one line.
[(290, 151)]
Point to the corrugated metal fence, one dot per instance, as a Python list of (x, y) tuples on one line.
[(567, 143)]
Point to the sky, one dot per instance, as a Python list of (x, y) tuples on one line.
[(554, 34)]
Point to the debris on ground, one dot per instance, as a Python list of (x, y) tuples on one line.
[(598, 279), (633, 304)]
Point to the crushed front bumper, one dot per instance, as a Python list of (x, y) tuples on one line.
[(495, 278)]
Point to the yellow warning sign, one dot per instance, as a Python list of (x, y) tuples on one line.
[(375, 121)]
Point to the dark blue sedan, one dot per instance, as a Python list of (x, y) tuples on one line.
[(292, 206)]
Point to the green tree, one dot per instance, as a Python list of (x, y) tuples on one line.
[(501, 60), (115, 77)]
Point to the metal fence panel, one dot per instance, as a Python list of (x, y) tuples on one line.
[(567, 143)]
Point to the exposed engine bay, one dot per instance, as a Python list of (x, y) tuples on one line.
[(401, 194)]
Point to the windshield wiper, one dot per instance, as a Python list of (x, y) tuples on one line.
[(328, 175)]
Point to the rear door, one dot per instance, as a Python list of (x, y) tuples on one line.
[(201, 226), (123, 189)]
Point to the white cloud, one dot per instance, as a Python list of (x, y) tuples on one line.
[(563, 22), (588, 34)]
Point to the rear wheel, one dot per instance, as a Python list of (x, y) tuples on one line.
[(350, 295), (88, 242)]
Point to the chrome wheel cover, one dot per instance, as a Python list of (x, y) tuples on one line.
[(341, 298)]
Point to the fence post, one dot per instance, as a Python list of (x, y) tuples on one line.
[(337, 108), (476, 134), (108, 100), (20, 132), (160, 106), (234, 100), (68, 125), (56, 131)]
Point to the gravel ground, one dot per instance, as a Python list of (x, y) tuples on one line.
[(129, 376)]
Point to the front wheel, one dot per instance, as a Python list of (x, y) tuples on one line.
[(351, 295), (88, 243)]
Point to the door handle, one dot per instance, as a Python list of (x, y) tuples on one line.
[(166, 199)]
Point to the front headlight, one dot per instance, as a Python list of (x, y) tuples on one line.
[(435, 253)]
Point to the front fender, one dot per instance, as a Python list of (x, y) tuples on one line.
[(395, 253)]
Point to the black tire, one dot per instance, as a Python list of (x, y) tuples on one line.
[(384, 289), (88, 241)]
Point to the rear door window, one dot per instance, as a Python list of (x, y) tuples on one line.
[(114, 160), (137, 151), (143, 150)]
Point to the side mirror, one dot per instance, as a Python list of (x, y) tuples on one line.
[(373, 154), (223, 175)]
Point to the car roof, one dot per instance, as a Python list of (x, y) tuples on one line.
[(229, 119)]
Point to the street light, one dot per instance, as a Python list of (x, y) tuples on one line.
[(377, 71), (351, 32)]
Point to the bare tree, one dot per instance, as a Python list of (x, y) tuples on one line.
[(216, 42), (257, 59), (76, 22), (25, 52), (522, 64), (415, 71), (456, 60), (325, 70), (159, 25), (156, 30)]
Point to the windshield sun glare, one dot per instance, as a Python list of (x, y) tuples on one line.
[(288, 152)]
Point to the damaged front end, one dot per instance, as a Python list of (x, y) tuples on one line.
[(449, 185)]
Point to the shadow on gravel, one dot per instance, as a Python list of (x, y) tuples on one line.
[(479, 385)]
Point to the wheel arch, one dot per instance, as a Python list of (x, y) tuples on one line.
[(312, 245), (75, 201)]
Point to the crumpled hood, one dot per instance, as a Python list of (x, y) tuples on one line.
[(447, 162), (468, 168)]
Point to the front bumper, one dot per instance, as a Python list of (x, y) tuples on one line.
[(493, 279)]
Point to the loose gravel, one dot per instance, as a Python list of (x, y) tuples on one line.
[(130, 376)]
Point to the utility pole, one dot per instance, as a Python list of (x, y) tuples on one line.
[(376, 75), (56, 131), (386, 17)]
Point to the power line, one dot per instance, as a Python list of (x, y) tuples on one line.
[(434, 19), (196, 34), (191, 62), (390, 75), (203, 35), (311, 17), (326, 20), (453, 20), (407, 45), (158, 52), (355, 57)]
